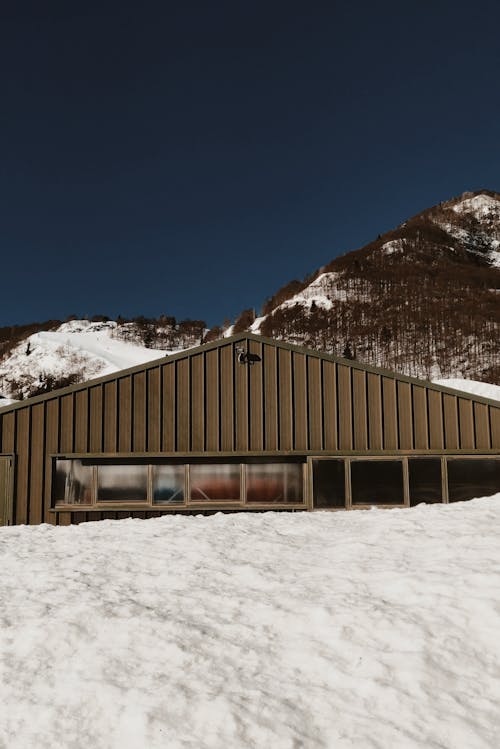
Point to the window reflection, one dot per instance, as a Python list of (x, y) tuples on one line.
[(471, 478), (274, 482), (377, 482), (168, 484), (328, 483), (425, 480), (215, 481), (73, 482), (122, 483)]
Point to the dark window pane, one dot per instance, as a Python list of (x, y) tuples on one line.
[(215, 481), (425, 480), (328, 483), (122, 483), (377, 482), (168, 484), (469, 478), (275, 482), (73, 482)]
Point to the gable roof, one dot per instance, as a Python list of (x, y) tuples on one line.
[(246, 336)]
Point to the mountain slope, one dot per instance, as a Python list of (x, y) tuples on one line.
[(422, 299), (80, 350)]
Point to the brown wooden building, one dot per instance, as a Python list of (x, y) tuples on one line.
[(243, 423)]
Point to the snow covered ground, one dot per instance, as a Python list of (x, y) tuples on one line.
[(367, 630)]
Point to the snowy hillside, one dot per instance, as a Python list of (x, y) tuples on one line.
[(77, 351), (317, 630)]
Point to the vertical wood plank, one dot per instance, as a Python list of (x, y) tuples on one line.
[(9, 432), (154, 411), (139, 412), (482, 427), (299, 401), (285, 399), (66, 440), (375, 434), (110, 416), (255, 398), (436, 427), (212, 400), (450, 422), (51, 447), (82, 421), (241, 405), (466, 422), (125, 414), (420, 426), (270, 360), (183, 405), (314, 403), (96, 422), (226, 369), (330, 427), (22, 463), (197, 397), (168, 426), (390, 413), (35, 512), (405, 416), (344, 406), (359, 408), (495, 427)]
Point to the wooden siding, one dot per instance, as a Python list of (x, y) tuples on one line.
[(206, 401)]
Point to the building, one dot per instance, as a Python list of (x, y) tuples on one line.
[(243, 423)]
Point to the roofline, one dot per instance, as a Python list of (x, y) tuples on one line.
[(259, 339)]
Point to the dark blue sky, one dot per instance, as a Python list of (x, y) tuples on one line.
[(191, 158)]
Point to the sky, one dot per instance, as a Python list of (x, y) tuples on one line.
[(191, 158)]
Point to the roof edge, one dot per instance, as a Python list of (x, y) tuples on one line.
[(246, 335)]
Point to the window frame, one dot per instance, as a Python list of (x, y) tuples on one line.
[(187, 503), (444, 457)]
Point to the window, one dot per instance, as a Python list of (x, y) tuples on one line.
[(274, 482), (425, 480), (215, 481), (161, 483), (73, 482), (328, 483), (168, 484), (122, 483), (377, 482), (469, 478)]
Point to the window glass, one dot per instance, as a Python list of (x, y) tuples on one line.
[(425, 480), (168, 484), (328, 483), (73, 482), (470, 478), (215, 481), (122, 483), (377, 482), (274, 482)]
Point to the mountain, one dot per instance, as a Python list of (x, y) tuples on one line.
[(422, 299), (60, 354)]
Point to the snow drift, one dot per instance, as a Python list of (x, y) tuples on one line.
[(355, 629)]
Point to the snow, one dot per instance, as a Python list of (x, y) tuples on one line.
[(88, 349), (481, 206), (483, 389), (351, 629)]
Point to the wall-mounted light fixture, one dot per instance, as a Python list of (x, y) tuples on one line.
[(246, 357)]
